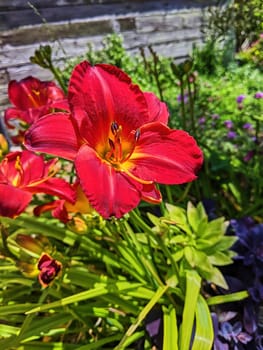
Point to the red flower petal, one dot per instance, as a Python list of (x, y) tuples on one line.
[(34, 168), (54, 187), (48, 207), (13, 200), (14, 113), (101, 94), (31, 92), (110, 192), (60, 104), (158, 111), (53, 134), (166, 156), (44, 261), (150, 194)]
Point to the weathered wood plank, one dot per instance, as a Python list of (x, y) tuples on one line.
[(12, 56), (47, 32), (25, 16), (132, 40), (19, 4)]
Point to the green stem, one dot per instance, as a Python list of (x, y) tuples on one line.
[(185, 193), (58, 77), (155, 72), (169, 194), (146, 264), (6, 250), (135, 217), (191, 107), (183, 116), (162, 205)]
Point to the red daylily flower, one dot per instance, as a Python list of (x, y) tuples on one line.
[(49, 269), (63, 209), (32, 99), (24, 173), (118, 139)]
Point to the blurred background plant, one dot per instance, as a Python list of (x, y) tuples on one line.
[(238, 20)]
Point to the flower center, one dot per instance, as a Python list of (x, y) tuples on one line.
[(19, 172), (35, 98), (120, 150)]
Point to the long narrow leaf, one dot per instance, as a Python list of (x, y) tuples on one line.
[(6, 330), (101, 289), (15, 309), (227, 298), (33, 224), (204, 333), (193, 283), (99, 343), (170, 333), (34, 345)]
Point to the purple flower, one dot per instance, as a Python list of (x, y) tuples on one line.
[(248, 126), (154, 326), (234, 333), (228, 124), (201, 120), (258, 94), (227, 335), (231, 135), (184, 97), (240, 98)]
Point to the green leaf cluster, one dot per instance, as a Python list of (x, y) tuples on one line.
[(195, 242)]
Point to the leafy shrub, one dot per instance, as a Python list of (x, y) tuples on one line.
[(253, 54), (240, 17)]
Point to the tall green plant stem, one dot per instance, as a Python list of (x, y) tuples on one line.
[(191, 106), (57, 76), (183, 115), (155, 72)]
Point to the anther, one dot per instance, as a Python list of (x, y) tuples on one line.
[(114, 127), (137, 135), (18, 165)]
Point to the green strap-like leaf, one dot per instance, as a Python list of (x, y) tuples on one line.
[(227, 298), (204, 333), (101, 289), (170, 334), (193, 283), (35, 345)]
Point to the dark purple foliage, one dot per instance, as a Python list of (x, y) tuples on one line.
[(242, 331)]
